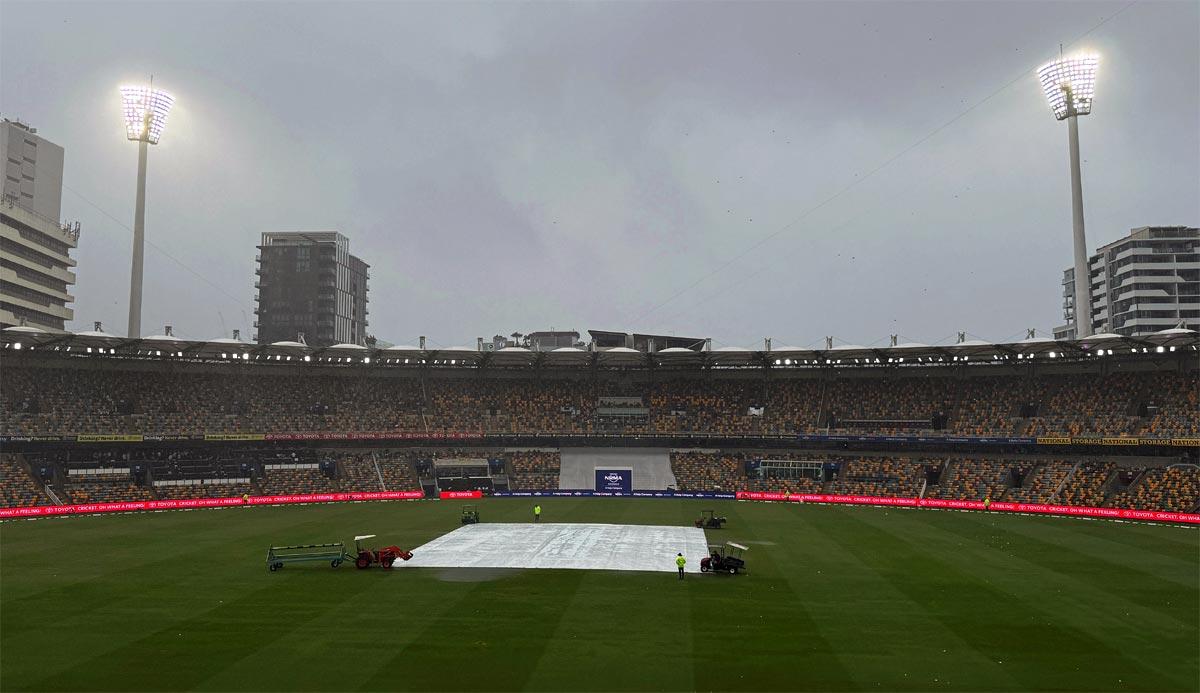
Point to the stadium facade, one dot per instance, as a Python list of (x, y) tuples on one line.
[(310, 289), (1142, 283), (35, 247)]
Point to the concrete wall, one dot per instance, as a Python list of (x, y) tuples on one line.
[(651, 467)]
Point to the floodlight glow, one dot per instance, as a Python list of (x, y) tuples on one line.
[(146, 112), (1070, 84)]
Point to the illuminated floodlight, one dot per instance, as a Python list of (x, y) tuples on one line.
[(146, 112), (145, 109), (1069, 84)]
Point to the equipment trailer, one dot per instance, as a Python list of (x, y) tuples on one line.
[(277, 556)]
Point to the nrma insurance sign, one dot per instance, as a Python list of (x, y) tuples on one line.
[(614, 480)]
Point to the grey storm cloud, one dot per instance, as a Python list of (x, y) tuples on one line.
[(706, 169)]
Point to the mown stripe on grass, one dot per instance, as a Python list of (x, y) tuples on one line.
[(349, 644), (188, 651), (1124, 581), (883, 638), (1149, 546), (122, 596), (1094, 600), (1042, 651), (152, 572), (491, 640), (1108, 597), (622, 631), (781, 646)]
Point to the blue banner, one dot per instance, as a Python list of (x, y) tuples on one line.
[(614, 480)]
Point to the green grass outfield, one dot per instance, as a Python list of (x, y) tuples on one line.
[(838, 598)]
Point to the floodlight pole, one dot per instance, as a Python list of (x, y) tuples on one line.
[(1083, 280), (139, 243)]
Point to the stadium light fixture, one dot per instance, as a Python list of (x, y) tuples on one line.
[(1069, 84), (146, 110)]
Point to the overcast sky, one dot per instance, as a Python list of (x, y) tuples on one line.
[(519, 167)]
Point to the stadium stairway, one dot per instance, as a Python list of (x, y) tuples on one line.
[(1115, 492), (53, 496), (947, 477), (1066, 480)]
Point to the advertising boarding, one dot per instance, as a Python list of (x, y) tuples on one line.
[(614, 480)]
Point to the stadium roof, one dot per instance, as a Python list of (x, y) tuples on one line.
[(224, 349)]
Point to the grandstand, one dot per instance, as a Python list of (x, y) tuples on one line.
[(18, 489), (1102, 422)]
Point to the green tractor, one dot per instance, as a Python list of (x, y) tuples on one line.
[(470, 514)]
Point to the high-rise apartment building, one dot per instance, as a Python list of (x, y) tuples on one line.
[(35, 247), (310, 286), (1145, 282), (33, 169)]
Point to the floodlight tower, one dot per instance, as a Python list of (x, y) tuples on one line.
[(146, 111), (1069, 84)]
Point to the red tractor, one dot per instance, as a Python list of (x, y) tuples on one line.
[(384, 557)]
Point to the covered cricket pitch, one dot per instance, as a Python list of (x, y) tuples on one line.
[(581, 546)]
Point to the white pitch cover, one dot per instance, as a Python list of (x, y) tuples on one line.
[(563, 546)]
